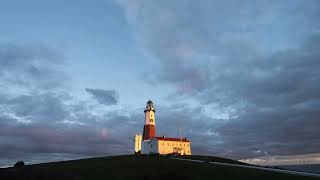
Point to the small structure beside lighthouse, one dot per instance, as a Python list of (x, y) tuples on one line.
[(149, 143), (137, 143)]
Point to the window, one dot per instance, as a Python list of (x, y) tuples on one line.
[(162, 144)]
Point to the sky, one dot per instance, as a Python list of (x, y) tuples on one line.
[(242, 76)]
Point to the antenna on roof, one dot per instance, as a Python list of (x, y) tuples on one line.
[(180, 135)]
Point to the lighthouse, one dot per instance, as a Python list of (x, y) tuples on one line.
[(149, 143), (149, 129)]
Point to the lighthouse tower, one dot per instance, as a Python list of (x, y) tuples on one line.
[(149, 143), (149, 129)]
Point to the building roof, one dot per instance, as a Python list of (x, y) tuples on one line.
[(150, 102), (163, 138)]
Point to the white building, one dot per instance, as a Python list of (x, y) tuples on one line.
[(151, 144), (166, 145), (137, 143)]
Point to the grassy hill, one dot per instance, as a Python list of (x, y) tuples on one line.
[(139, 167)]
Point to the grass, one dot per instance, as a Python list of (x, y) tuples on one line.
[(139, 167)]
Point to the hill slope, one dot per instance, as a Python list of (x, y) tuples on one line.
[(139, 167), (313, 168)]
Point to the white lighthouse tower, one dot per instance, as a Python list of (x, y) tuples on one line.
[(149, 129)]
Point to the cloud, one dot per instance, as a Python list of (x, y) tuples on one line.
[(31, 65), (242, 59), (40, 120), (25, 54), (192, 46), (273, 98), (106, 97), (29, 141), (48, 125), (37, 107), (285, 160)]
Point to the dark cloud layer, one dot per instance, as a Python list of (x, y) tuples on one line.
[(47, 124), (106, 97), (28, 141)]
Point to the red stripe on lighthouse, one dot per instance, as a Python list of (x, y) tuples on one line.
[(149, 131)]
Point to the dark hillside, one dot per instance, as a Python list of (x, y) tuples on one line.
[(137, 167)]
